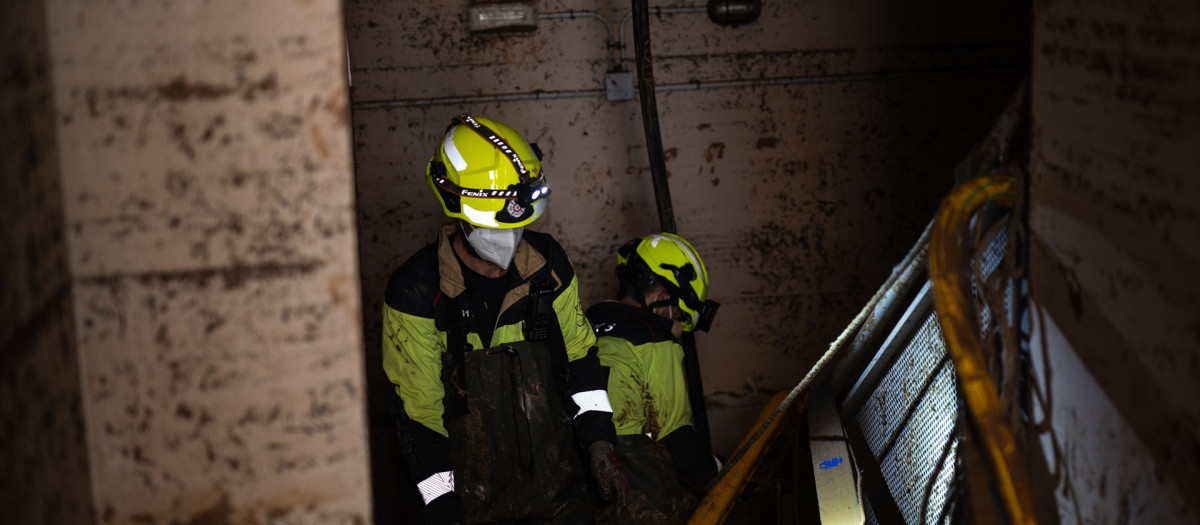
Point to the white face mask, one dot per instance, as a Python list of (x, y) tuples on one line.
[(496, 246)]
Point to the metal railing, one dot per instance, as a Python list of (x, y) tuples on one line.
[(911, 382)]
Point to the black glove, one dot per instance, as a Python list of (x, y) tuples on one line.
[(608, 472), (444, 510)]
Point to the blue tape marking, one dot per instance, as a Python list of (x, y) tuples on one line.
[(830, 463)]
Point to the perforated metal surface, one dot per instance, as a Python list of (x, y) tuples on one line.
[(918, 452), (940, 505), (908, 423), (993, 255), (994, 252), (882, 414)]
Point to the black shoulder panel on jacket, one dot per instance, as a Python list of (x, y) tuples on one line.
[(553, 252), (636, 325), (413, 287)]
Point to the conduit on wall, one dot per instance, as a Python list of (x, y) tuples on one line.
[(735, 13), (614, 65), (684, 86), (610, 43)]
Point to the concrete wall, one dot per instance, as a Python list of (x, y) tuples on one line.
[(1115, 220), (182, 313), (190, 164), (801, 196)]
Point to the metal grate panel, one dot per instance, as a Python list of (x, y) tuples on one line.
[(993, 255), (918, 453), (883, 413), (940, 504), (908, 423)]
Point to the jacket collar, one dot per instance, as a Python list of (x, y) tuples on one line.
[(625, 318), (526, 259)]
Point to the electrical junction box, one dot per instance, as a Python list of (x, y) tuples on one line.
[(618, 85)]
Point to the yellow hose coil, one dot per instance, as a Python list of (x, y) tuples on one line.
[(951, 288)]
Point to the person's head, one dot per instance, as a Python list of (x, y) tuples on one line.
[(664, 274), (489, 178)]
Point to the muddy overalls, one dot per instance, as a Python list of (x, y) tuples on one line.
[(502, 410), (667, 462), (512, 442)]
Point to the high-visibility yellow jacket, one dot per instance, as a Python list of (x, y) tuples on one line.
[(647, 385), (416, 319)]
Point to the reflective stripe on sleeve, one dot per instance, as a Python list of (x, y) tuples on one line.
[(592, 400), (436, 485)]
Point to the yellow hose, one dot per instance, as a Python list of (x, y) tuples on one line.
[(956, 313)]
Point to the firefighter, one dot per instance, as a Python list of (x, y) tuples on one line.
[(496, 374), (662, 292)]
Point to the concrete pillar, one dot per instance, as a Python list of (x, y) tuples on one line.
[(43, 461), (207, 195)]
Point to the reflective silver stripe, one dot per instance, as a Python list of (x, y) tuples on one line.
[(451, 150), (436, 485), (592, 400)]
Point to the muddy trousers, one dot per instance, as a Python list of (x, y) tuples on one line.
[(655, 494), (513, 449)]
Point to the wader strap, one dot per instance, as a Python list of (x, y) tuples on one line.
[(456, 343), (541, 323)]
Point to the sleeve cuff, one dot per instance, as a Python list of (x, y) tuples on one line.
[(436, 485), (591, 401)]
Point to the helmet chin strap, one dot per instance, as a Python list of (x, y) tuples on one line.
[(663, 302), (672, 305), (669, 302)]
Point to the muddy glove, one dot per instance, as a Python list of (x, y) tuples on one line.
[(445, 510), (608, 472)]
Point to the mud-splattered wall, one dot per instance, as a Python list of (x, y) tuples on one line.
[(1115, 221), (190, 164), (800, 192)]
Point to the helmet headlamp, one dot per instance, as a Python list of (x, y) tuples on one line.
[(523, 192)]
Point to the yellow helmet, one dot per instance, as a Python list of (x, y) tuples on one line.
[(677, 267), (486, 174)]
